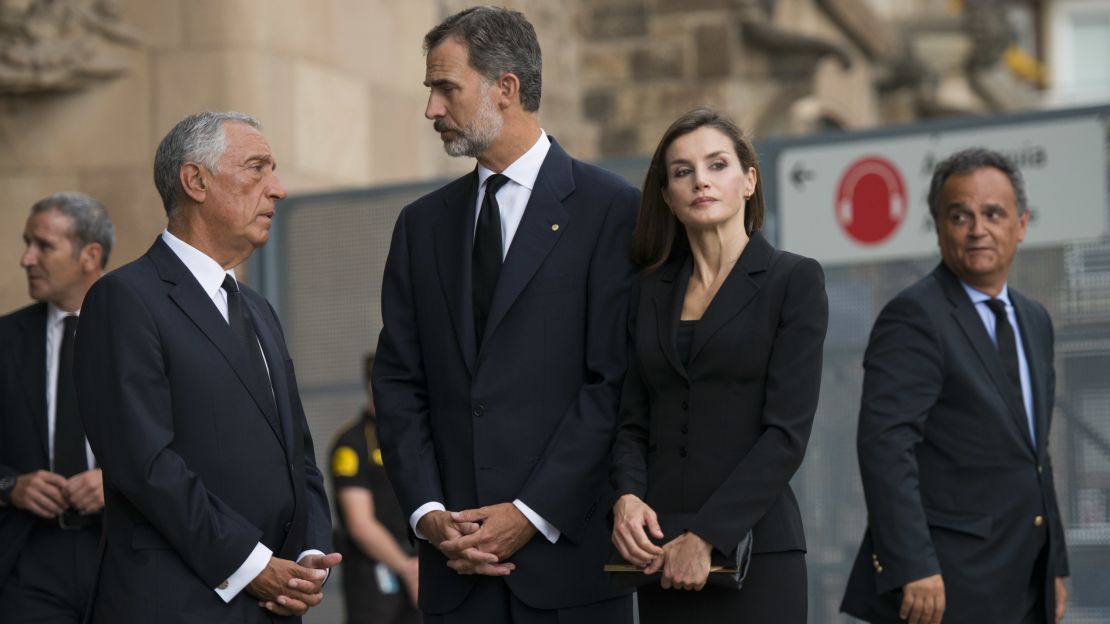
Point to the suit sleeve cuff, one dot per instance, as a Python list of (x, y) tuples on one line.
[(422, 511), (252, 567), (543, 526), (313, 551)]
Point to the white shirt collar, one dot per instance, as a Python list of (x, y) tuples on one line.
[(54, 314), (207, 271), (978, 296), (526, 169)]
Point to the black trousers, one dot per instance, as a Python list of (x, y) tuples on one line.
[(53, 578), (774, 592), (491, 602)]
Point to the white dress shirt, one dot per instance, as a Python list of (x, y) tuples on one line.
[(989, 321), (55, 325), (211, 275), (512, 199)]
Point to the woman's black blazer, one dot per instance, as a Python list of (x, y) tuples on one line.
[(719, 440)]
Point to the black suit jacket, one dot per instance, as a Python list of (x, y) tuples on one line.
[(717, 441), (529, 414), (24, 438), (953, 483), (201, 460)]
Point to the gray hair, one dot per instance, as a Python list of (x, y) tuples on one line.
[(89, 218), (969, 160), (498, 41), (198, 138)]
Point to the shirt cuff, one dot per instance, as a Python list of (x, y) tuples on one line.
[(543, 526), (254, 565), (313, 551), (422, 511)]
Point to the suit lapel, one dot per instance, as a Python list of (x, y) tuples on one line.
[(454, 237), (963, 311), (669, 292), (195, 303), (33, 375), (735, 293), (275, 361), (536, 234)]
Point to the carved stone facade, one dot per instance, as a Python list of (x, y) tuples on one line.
[(60, 45), (88, 87)]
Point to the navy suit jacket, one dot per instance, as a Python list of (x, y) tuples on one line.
[(531, 412), (953, 483), (23, 433), (201, 459)]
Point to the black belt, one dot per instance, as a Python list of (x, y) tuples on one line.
[(72, 520)]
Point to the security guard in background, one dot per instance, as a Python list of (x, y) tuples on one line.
[(379, 564)]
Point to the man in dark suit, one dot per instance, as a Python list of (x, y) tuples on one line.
[(51, 491), (499, 365), (954, 425), (215, 510)]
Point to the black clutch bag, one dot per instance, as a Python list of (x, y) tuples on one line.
[(725, 570)]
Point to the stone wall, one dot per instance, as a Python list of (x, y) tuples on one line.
[(338, 86), (335, 83)]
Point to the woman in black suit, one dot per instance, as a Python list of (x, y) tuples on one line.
[(721, 388)]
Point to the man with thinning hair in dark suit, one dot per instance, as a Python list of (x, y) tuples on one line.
[(503, 349), (215, 510), (954, 423), (51, 491)]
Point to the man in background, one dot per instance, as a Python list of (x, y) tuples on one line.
[(380, 567), (954, 422), (215, 510), (51, 491)]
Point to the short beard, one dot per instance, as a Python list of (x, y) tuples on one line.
[(480, 134)]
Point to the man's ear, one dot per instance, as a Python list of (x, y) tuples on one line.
[(508, 87), (90, 257), (193, 181)]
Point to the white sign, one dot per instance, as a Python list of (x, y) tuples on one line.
[(864, 199)]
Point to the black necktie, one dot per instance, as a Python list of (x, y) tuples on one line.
[(69, 434), (486, 256), (242, 327), (1007, 346)]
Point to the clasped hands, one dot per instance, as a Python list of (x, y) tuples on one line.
[(47, 494), (287, 588), (478, 541), (684, 560)]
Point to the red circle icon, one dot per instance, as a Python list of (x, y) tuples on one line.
[(870, 200)]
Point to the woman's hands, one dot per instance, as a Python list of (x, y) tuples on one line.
[(686, 562), (630, 516)]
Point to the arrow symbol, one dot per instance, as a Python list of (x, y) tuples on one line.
[(799, 174)]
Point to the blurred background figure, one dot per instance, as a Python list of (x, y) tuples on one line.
[(51, 490), (379, 562)]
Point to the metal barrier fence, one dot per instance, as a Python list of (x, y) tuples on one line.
[(323, 269)]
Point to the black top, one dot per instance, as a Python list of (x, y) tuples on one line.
[(356, 461), (684, 339)]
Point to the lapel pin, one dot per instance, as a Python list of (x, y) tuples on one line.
[(554, 227)]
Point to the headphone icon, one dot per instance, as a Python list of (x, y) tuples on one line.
[(846, 208)]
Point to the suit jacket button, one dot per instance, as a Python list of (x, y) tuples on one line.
[(682, 452), (222, 586), (685, 428), (1040, 469), (1038, 521), (478, 411), (685, 405)]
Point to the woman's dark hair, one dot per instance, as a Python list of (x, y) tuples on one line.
[(658, 232)]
